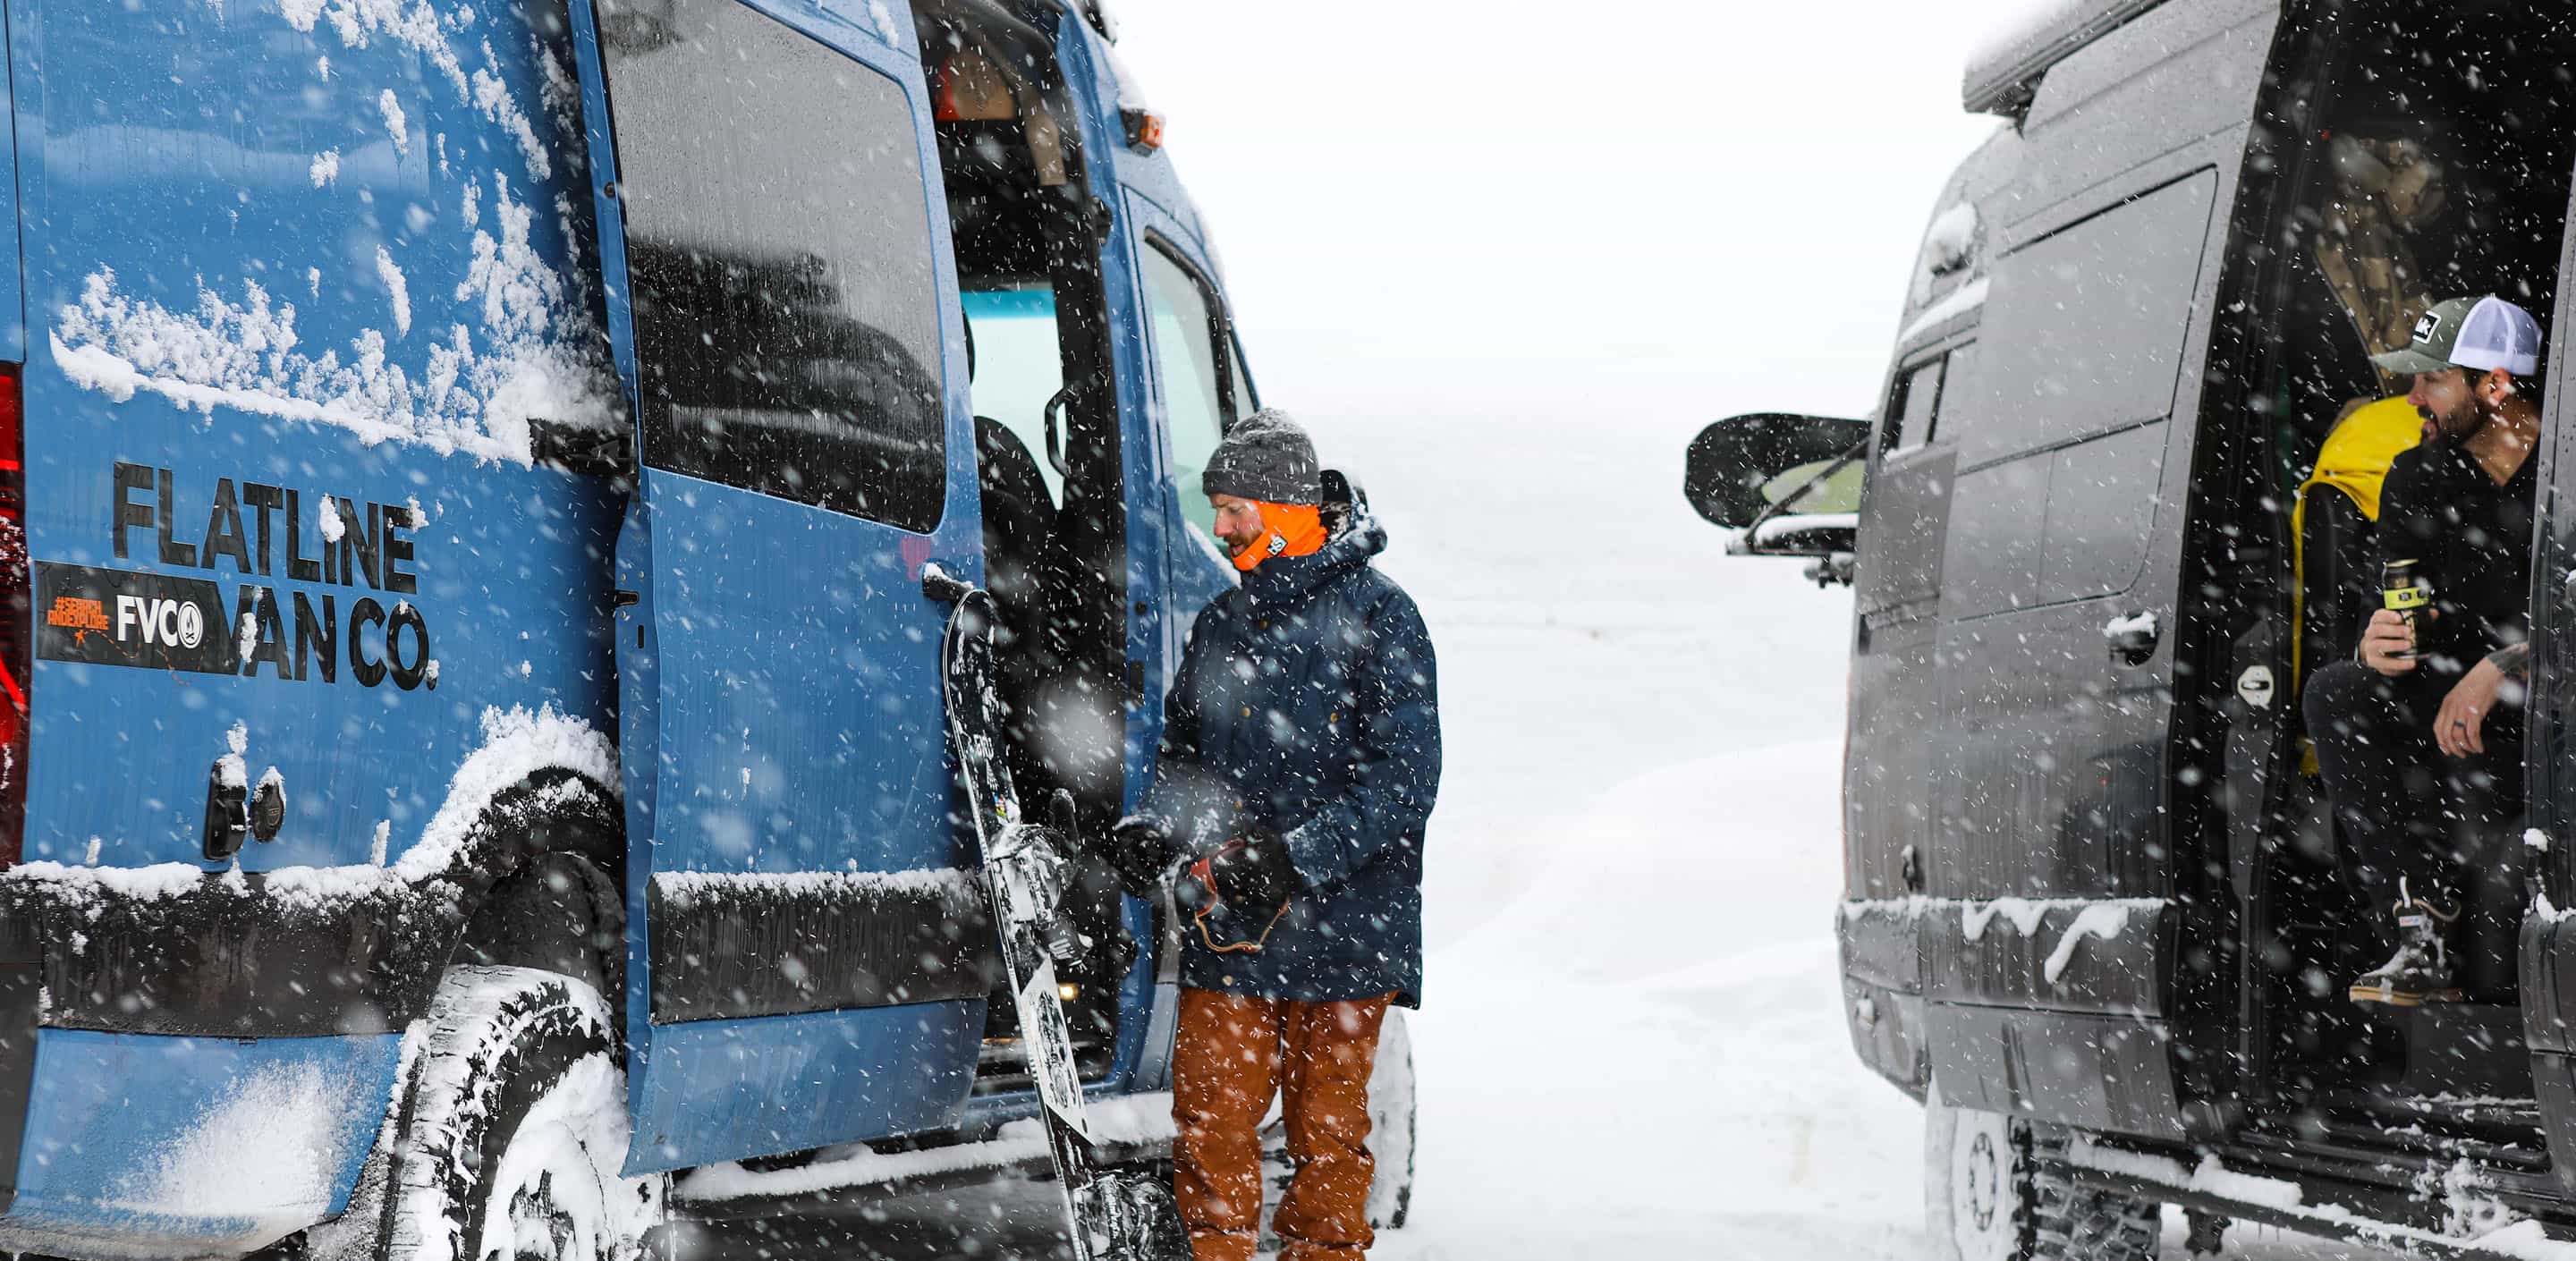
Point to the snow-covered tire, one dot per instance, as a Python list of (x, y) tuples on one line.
[(1392, 1130), (2082, 1224), (1991, 1192), (1980, 1202), (510, 1148)]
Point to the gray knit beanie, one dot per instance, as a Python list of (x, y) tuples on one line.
[(1265, 456)]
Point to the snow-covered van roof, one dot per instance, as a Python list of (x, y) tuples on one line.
[(2004, 73)]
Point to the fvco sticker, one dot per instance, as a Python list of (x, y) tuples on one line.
[(160, 621)]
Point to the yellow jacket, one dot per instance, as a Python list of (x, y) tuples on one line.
[(2355, 461)]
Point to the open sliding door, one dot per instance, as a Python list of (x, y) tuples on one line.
[(775, 248)]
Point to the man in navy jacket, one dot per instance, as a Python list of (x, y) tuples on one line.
[(1300, 757)]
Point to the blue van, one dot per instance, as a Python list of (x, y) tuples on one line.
[(472, 774)]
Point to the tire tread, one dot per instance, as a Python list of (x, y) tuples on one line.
[(2084, 1223), (2051, 1218)]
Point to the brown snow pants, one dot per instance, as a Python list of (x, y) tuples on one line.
[(1231, 1052)]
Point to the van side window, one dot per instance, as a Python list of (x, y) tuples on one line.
[(1922, 394), (778, 231), (1187, 341), (1918, 395)]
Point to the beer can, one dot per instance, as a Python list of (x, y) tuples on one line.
[(2404, 590)]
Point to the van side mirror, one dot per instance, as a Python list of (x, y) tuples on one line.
[(1791, 483), (1744, 468)]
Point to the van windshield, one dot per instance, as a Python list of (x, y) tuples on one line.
[(1018, 364)]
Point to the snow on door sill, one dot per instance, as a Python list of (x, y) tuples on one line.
[(1129, 1120)]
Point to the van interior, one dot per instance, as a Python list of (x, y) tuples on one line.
[(2416, 154), (1027, 228)]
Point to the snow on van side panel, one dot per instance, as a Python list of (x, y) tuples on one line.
[(303, 279), (522, 344)]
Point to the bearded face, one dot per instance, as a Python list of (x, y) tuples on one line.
[(2449, 402)]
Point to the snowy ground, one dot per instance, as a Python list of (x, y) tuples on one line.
[(1632, 1044)]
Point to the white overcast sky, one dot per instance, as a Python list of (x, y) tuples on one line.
[(1649, 213)]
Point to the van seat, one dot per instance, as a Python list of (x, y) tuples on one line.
[(1019, 533), (1019, 522)]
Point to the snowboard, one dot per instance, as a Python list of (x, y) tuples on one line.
[(1116, 1213)]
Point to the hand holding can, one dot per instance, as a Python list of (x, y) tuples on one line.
[(2407, 594)]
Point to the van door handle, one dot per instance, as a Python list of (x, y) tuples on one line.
[(2132, 639)]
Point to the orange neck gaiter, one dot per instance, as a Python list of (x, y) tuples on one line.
[(1286, 530)]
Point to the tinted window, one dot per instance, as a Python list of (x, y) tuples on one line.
[(779, 239), (2085, 328), (1918, 394), (1185, 360)]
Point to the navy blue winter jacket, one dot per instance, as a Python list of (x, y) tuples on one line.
[(1307, 701)]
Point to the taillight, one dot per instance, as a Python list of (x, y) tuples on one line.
[(17, 616)]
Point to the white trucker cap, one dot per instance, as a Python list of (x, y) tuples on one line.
[(2475, 333)]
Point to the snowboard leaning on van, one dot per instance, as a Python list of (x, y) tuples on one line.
[(1119, 1213)]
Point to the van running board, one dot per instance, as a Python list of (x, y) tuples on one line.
[(2432, 1178), (843, 1180)]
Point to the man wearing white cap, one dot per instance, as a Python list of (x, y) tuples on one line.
[(2419, 737)]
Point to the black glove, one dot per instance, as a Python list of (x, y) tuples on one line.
[(1138, 849), (1255, 876)]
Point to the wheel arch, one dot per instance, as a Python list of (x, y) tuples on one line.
[(543, 887)]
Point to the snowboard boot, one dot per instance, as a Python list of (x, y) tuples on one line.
[(2420, 971)]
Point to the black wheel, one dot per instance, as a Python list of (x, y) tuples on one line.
[(1991, 1193), (516, 1129), (1979, 1200)]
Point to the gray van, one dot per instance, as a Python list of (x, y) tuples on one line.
[(2094, 914)]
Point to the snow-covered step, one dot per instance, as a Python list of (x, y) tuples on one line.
[(1139, 1122)]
